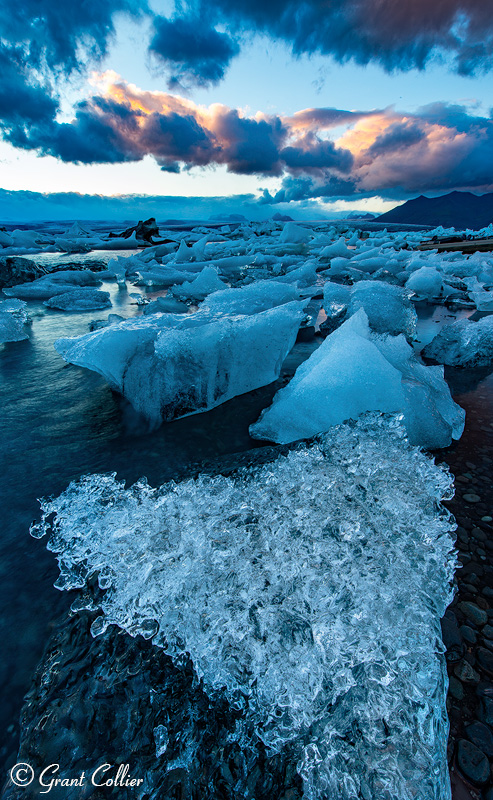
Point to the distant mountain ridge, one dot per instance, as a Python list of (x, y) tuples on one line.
[(456, 209)]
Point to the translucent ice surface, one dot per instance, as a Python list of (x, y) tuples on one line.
[(13, 320), (309, 589), (463, 344), (387, 307), (82, 299), (171, 365), (355, 371)]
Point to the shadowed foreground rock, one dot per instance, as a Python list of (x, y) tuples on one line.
[(99, 701)]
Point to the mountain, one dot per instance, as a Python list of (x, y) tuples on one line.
[(456, 209)]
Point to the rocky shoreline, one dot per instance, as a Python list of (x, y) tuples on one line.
[(468, 623)]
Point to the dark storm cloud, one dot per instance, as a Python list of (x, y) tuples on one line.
[(56, 33), (396, 34), (41, 43), (311, 154), (22, 101), (192, 51)]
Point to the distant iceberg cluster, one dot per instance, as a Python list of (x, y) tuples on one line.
[(228, 305), (308, 589)]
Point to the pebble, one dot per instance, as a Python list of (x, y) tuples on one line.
[(456, 688), (487, 519), (466, 673), (487, 591), (485, 659), (473, 612), (488, 631), (468, 634), (473, 763), (471, 498), (480, 735), (486, 710)]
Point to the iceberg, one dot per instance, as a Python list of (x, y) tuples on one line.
[(13, 321), (426, 282), (309, 590), (206, 282), (294, 234), (463, 344), (172, 365), (83, 299), (40, 289), (353, 372), (388, 307)]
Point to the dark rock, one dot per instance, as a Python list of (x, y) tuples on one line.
[(474, 613), (471, 498), (466, 673), (485, 712), (488, 631), (473, 763), (143, 230), (455, 688), (480, 735), (14, 270), (479, 534), (451, 636), (468, 634), (485, 659)]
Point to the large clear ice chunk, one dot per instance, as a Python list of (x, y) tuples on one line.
[(463, 344), (171, 365), (309, 589), (355, 371)]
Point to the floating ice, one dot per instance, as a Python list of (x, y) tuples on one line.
[(309, 589), (426, 282), (294, 234), (40, 289), (463, 344), (82, 299), (353, 372), (387, 307), (166, 305), (171, 365), (13, 321), (251, 299), (205, 283)]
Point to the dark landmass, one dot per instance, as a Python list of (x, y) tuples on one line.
[(454, 210)]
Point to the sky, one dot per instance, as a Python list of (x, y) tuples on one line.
[(307, 107)]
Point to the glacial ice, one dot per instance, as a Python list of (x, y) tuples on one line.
[(83, 299), (425, 282), (205, 283), (463, 344), (355, 371), (308, 589), (252, 299), (13, 321), (387, 307), (294, 234), (171, 365), (40, 289)]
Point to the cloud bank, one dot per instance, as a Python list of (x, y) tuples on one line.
[(385, 152)]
